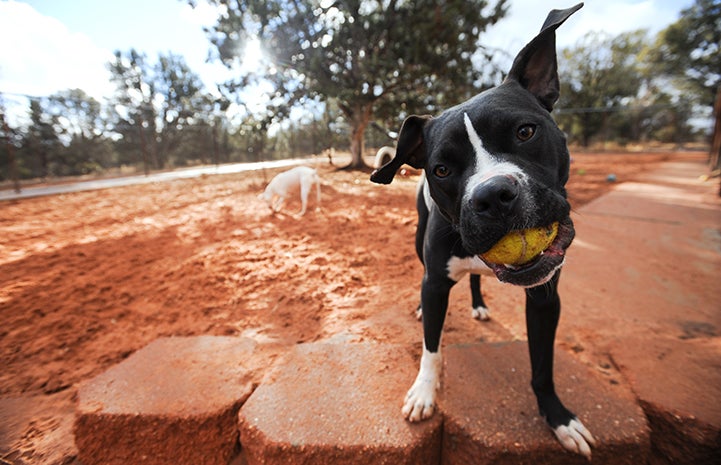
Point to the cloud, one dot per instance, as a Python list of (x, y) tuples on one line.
[(615, 17), (525, 18), (202, 14), (40, 56)]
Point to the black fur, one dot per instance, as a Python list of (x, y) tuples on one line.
[(467, 214)]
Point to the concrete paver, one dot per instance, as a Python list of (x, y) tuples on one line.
[(491, 416), (174, 401), (338, 404), (678, 383), (641, 286)]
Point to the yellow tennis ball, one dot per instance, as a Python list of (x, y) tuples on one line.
[(521, 246)]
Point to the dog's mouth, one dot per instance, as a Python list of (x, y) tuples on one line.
[(542, 268)]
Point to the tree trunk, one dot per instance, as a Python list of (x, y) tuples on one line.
[(43, 163), (143, 147), (216, 152), (14, 174), (359, 119), (585, 130), (715, 154)]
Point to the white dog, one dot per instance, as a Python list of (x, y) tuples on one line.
[(288, 182)]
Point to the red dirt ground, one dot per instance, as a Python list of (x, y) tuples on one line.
[(88, 278)]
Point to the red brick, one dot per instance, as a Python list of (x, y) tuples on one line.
[(174, 401), (491, 415), (338, 404), (678, 383)]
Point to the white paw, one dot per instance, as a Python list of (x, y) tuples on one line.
[(420, 401), (481, 314), (576, 438), (419, 313)]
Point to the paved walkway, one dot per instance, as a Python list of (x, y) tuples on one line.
[(183, 173), (642, 286)]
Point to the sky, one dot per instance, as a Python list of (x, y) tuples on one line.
[(53, 45)]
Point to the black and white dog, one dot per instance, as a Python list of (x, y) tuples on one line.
[(493, 164)]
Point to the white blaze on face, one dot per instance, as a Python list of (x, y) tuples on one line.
[(487, 166), (482, 156)]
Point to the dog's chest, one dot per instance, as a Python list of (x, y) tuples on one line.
[(458, 267)]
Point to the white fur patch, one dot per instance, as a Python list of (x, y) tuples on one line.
[(488, 166), (426, 191), (459, 267), (420, 401), (482, 155), (481, 313), (576, 438)]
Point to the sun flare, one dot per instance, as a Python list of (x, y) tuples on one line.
[(253, 57)]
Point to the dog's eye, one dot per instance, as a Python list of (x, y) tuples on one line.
[(525, 132), (441, 171)]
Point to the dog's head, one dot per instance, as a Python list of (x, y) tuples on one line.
[(498, 162), (266, 195)]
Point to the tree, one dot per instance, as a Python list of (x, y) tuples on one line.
[(598, 75), (81, 123), (75, 113), (155, 105), (181, 96), (133, 105), (41, 144), (252, 137), (7, 150), (689, 50), (363, 54)]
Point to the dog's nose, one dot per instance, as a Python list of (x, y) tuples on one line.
[(496, 197)]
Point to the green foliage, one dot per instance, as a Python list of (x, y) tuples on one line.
[(689, 50), (368, 56), (42, 144), (597, 75), (357, 67), (158, 103), (312, 134), (611, 91), (65, 137)]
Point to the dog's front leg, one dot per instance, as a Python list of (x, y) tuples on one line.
[(479, 311), (420, 401), (543, 309), (278, 203), (305, 186)]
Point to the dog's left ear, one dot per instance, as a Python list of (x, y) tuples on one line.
[(535, 67), (410, 150)]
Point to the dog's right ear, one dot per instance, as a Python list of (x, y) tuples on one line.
[(410, 150)]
